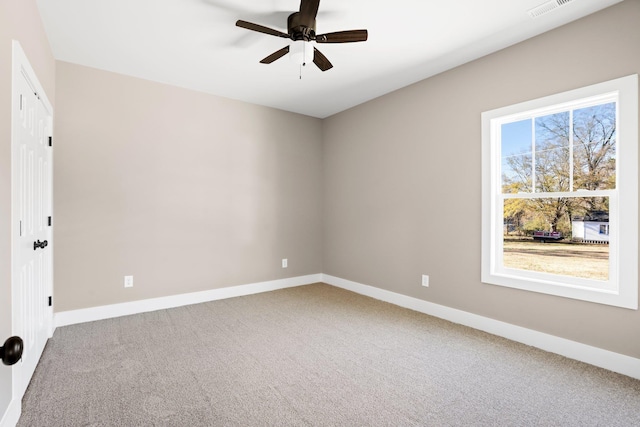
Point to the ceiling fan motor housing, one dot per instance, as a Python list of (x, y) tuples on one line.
[(300, 28)]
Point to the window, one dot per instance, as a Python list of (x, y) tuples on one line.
[(560, 194)]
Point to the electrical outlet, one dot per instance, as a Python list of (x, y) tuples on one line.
[(285, 263), (425, 280), (128, 281)]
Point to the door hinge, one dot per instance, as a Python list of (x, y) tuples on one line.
[(50, 301), (50, 141), (49, 221)]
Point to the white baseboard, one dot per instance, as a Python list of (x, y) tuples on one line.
[(72, 317), (615, 362), (12, 414)]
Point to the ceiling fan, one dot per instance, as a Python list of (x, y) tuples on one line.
[(301, 27)]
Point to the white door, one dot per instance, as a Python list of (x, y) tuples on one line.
[(32, 248)]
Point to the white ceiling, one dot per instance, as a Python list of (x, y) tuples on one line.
[(195, 44)]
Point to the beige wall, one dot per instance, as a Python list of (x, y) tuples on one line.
[(402, 194), (184, 191), (19, 20)]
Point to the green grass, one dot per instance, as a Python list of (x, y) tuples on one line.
[(567, 259)]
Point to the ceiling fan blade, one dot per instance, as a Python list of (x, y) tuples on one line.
[(309, 9), (343, 37), (261, 29), (320, 60), (275, 55)]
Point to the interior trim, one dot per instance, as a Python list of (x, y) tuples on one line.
[(12, 414), (606, 359), (83, 315)]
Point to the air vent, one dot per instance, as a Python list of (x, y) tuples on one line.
[(547, 7)]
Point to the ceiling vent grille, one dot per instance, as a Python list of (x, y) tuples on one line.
[(547, 7)]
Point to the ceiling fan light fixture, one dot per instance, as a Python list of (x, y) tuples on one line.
[(301, 52)]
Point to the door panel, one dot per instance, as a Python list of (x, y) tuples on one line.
[(34, 205)]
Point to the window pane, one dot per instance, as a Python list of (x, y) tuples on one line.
[(566, 236), (552, 153), (594, 147), (515, 151)]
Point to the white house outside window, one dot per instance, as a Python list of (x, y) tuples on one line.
[(560, 190)]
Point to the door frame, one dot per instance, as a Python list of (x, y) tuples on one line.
[(22, 67)]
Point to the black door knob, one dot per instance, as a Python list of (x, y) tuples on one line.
[(11, 352)]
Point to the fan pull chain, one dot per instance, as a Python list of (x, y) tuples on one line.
[(304, 55)]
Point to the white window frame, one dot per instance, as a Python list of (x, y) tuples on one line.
[(621, 289)]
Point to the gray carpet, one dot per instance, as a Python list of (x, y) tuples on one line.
[(311, 356)]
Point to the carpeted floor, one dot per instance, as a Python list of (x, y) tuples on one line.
[(311, 356)]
